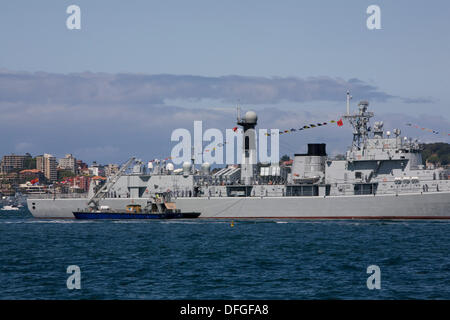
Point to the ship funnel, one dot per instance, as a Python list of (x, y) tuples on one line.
[(317, 149)]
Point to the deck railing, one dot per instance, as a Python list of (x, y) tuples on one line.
[(57, 196)]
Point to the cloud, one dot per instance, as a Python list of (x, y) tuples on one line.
[(23, 146), (101, 151), (422, 100), (136, 89), (109, 117)]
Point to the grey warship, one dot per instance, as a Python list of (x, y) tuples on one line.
[(381, 177)]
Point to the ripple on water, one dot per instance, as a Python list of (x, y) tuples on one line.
[(201, 259)]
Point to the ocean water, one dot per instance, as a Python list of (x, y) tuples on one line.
[(198, 259)]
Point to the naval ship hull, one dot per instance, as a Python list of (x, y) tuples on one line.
[(430, 205)]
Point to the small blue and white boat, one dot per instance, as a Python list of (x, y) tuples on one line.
[(159, 207)]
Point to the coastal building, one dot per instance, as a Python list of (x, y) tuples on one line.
[(81, 165), (111, 169), (15, 162), (32, 175), (80, 183), (85, 172), (47, 164), (97, 170), (68, 163), (40, 163)]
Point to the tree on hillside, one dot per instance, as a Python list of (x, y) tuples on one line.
[(436, 153)]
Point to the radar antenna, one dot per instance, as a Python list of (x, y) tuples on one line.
[(238, 112), (360, 123), (349, 97)]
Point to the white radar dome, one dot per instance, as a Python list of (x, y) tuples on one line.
[(251, 117), (187, 168), (205, 168), (187, 165)]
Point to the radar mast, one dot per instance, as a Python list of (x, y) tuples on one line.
[(360, 123)]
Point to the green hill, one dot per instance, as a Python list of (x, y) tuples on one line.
[(436, 153)]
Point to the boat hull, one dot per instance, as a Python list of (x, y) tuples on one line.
[(404, 206), (124, 215)]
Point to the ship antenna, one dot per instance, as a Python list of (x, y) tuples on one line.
[(238, 111), (349, 97), (193, 159)]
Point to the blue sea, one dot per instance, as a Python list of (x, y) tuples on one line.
[(221, 259)]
